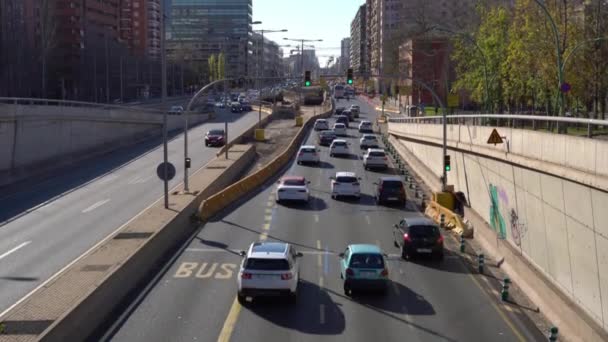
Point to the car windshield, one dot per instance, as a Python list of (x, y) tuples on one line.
[(376, 154), (264, 264), (294, 182), (308, 150), (216, 132), (366, 260), (346, 179), (423, 231), (369, 137), (339, 143), (392, 184)]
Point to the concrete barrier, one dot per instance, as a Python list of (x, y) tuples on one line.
[(71, 306), (214, 204)]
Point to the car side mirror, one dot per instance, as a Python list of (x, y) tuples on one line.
[(299, 254), (242, 253), (341, 255)]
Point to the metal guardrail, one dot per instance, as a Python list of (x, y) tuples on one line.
[(69, 103), (566, 125)]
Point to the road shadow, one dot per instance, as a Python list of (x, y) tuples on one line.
[(314, 204), (367, 200), (304, 315), (17, 278), (398, 299), (451, 262)]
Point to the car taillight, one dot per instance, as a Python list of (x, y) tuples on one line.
[(406, 238), (384, 273), (245, 275), (350, 272), (440, 240), (286, 276)]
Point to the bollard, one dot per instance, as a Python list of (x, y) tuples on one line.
[(481, 262), (553, 334), (442, 220), (462, 243), (504, 294), (411, 184)]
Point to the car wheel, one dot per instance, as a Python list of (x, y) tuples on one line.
[(299, 163), (347, 290), (396, 243), (404, 254), (242, 299), (293, 298), (206, 144)]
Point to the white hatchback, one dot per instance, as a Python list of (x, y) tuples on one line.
[(345, 184), (340, 129), (308, 154), (292, 188), (366, 127), (375, 158), (321, 125), (368, 141), (338, 147), (268, 269)]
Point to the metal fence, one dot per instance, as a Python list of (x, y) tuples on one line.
[(552, 124)]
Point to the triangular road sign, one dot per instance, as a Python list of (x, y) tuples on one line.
[(494, 137)]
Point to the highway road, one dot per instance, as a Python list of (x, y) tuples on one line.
[(194, 297), (46, 226)]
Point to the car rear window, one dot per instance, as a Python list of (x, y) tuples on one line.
[(339, 125), (366, 123), (392, 184), (294, 182), (308, 150), (423, 231), (377, 154), (267, 264), (366, 260), (339, 143), (346, 179), (216, 132), (369, 137)]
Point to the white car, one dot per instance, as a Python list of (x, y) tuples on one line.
[(375, 158), (340, 129), (366, 127), (292, 188), (269, 269), (368, 141), (176, 110), (356, 110), (308, 154), (321, 125), (338, 147), (345, 184)]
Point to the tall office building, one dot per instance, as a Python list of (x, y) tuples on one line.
[(140, 26), (266, 63), (359, 59), (345, 54), (201, 28)]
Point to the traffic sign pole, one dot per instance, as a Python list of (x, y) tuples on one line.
[(166, 161)]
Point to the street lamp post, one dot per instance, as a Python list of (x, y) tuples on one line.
[(163, 72), (260, 62)]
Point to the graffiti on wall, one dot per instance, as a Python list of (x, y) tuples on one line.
[(500, 199)]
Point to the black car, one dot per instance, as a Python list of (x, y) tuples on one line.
[(326, 138), (348, 114), (342, 119), (215, 137), (246, 106), (390, 189), (236, 107), (418, 236), (339, 110)]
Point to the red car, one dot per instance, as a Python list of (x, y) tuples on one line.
[(215, 137)]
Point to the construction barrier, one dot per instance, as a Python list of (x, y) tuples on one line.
[(214, 204), (452, 221)]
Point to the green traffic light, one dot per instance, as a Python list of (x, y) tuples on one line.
[(448, 168), (350, 81), (307, 84)]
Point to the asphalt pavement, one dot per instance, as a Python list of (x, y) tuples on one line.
[(193, 298), (45, 226)]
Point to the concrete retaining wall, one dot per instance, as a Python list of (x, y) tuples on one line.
[(39, 138), (547, 198)]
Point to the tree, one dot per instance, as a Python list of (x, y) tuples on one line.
[(212, 68), (221, 66), (48, 28)]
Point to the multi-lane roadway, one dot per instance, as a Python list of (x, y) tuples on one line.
[(194, 297), (47, 225)]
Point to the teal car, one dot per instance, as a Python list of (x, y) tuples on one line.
[(363, 267)]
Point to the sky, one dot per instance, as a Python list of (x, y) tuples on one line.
[(308, 19)]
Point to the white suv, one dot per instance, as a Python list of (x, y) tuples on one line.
[(308, 154), (340, 129), (366, 127), (345, 184), (338, 147), (368, 141), (321, 125), (375, 158), (269, 269)]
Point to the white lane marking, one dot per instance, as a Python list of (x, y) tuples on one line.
[(107, 179), (396, 288), (233, 250), (95, 205), (133, 180), (321, 281), (316, 218), (322, 313), (14, 250), (409, 318), (368, 220)]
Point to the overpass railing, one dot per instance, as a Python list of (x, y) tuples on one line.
[(69, 103), (550, 124)]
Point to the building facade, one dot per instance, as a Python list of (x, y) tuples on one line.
[(344, 54), (140, 26), (266, 62), (198, 29), (359, 59)]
